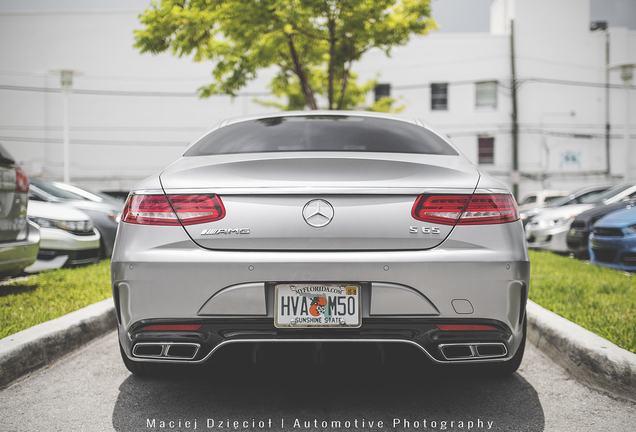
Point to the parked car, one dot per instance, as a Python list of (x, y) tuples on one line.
[(539, 199), (103, 210), (117, 195), (577, 238), (613, 240), (19, 239), (579, 196), (321, 227), (549, 229), (68, 236)]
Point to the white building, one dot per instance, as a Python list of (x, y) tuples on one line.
[(131, 115)]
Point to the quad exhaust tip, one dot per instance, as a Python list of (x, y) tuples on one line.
[(473, 351), (166, 350)]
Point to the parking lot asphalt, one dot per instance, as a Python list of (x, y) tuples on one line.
[(587, 357)]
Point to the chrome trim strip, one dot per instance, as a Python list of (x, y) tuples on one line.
[(227, 342)]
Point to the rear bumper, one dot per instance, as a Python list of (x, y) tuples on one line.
[(16, 256), (439, 346), (404, 293)]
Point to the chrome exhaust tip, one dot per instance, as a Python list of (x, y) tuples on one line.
[(473, 351), (166, 350)]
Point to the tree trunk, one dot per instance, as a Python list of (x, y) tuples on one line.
[(345, 81), (300, 72), (332, 52)]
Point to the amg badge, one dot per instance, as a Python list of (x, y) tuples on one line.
[(225, 231)]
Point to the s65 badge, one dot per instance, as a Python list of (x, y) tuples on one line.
[(425, 230)]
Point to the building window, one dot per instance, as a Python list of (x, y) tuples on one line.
[(439, 96), (486, 150), (382, 90), (486, 95)]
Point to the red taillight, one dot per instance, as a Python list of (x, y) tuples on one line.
[(172, 209), (444, 209), (465, 327), (490, 209), (465, 210), (21, 181), (172, 327)]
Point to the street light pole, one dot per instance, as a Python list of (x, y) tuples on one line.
[(66, 82), (627, 73)]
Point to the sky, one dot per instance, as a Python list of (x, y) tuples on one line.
[(451, 15)]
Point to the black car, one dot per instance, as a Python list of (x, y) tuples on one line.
[(577, 237)]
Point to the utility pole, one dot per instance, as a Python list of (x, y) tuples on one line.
[(515, 122), (627, 74), (596, 26), (66, 83), (607, 104)]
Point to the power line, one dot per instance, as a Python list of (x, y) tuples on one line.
[(96, 142), (571, 83), (106, 128), (121, 92)]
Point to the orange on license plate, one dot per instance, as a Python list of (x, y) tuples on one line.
[(317, 305)]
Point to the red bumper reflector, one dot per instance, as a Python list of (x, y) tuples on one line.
[(175, 327), (465, 327)]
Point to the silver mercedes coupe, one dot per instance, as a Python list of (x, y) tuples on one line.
[(321, 227)]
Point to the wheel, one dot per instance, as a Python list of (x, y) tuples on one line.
[(143, 368), (503, 369)]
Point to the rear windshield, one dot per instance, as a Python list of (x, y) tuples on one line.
[(321, 133)]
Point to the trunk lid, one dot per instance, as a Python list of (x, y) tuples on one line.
[(319, 201)]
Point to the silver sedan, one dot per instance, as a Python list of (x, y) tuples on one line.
[(321, 227)]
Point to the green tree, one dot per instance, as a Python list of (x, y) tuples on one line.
[(314, 43)]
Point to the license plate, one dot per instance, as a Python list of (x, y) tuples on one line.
[(317, 305)]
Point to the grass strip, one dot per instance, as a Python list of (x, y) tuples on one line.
[(50, 295), (599, 299)]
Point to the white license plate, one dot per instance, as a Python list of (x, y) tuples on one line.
[(317, 305)]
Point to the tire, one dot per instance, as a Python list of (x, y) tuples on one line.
[(143, 368), (503, 369)]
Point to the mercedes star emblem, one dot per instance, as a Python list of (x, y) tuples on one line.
[(318, 213)]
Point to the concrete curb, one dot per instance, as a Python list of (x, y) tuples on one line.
[(43, 344), (586, 356)]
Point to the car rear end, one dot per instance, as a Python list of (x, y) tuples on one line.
[(19, 239), (356, 247)]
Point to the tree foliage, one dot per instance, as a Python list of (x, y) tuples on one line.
[(314, 43)]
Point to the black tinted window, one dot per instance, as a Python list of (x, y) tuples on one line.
[(321, 133), (5, 158)]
